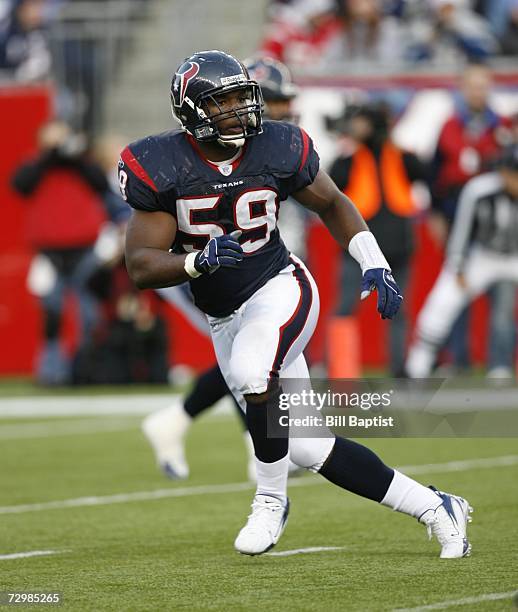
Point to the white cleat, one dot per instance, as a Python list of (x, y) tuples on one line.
[(448, 523), (165, 431), (264, 526)]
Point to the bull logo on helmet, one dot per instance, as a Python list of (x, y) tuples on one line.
[(189, 72)]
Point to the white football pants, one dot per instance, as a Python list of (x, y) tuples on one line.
[(265, 338)]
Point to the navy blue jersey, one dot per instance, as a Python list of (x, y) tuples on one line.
[(168, 172)]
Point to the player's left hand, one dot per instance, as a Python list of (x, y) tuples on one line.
[(222, 250), (389, 294)]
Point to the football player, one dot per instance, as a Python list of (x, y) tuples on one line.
[(166, 429), (277, 87), (205, 203), (482, 251)]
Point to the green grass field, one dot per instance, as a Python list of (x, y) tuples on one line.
[(176, 552)]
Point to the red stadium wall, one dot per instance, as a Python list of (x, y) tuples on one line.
[(23, 110)]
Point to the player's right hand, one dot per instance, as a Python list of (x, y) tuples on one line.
[(220, 251), (389, 294)]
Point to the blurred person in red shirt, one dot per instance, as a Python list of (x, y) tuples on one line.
[(65, 192), (469, 143), (301, 32), (334, 34)]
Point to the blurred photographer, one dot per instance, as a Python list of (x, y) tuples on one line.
[(378, 177), (66, 194)]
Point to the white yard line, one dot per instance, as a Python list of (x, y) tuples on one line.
[(444, 400), (303, 551), (83, 405), (30, 553), (466, 601), (65, 428), (460, 466), (121, 498)]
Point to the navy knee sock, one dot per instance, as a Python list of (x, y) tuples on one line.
[(258, 416), (209, 388), (356, 468)]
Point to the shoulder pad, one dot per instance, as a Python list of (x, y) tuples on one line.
[(153, 159)]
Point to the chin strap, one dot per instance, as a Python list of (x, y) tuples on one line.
[(233, 143)]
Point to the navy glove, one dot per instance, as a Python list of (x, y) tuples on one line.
[(220, 251), (389, 294)]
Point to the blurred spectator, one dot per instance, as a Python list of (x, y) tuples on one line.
[(378, 177), (509, 40), (302, 32), (449, 33), (24, 52), (66, 212), (5, 9), (496, 12), (353, 35), (340, 34), (468, 144), (368, 37), (396, 8), (82, 74), (89, 42)]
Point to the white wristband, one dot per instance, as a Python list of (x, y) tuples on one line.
[(365, 249), (188, 266)]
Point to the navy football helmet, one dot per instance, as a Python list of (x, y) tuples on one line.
[(202, 78), (273, 77)]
